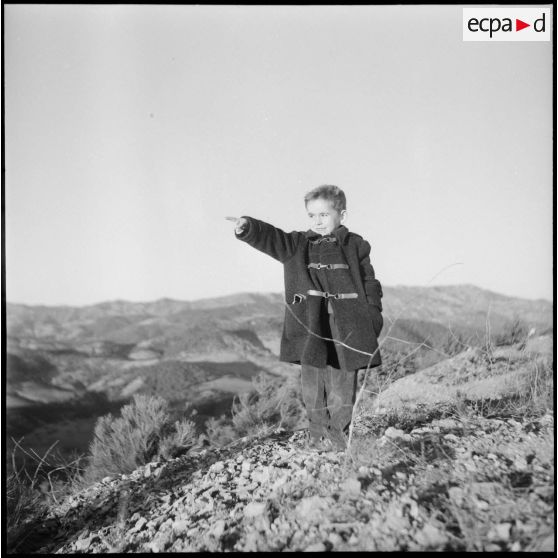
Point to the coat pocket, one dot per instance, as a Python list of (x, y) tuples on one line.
[(296, 317), (374, 292), (377, 318)]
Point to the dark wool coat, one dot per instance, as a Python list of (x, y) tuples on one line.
[(359, 320)]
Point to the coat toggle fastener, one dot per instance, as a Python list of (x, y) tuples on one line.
[(332, 295), (328, 266)]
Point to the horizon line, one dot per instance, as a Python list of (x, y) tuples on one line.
[(240, 293)]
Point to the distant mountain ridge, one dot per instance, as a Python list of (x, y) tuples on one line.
[(465, 305)]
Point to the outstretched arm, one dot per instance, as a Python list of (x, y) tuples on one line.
[(265, 237)]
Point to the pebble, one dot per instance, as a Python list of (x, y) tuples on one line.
[(309, 507), (243, 494), (351, 488), (246, 466), (316, 547), (180, 527), (254, 509), (140, 523), (261, 476), (456, 494), (447, 423), (218, 528), (482, 505), (82, 544), (335, 539), (500, 532), (217, 467), (413, 508), (431, 536), (155, 546), (395, 433)]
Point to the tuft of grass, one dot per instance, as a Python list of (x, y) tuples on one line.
[(514, 331), (537, 388), (25, 505), (31, 490)]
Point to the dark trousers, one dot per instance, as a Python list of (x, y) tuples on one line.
[(329, 393)]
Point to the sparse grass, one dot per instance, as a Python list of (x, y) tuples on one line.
[(25, 506), (537, 387), (30, 490), (115, 539)]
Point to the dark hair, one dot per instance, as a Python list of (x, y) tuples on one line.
[(334, 194)]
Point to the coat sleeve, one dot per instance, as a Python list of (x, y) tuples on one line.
[(372, 286), (269, 239)]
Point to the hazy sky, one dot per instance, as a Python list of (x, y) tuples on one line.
[(132, 131)]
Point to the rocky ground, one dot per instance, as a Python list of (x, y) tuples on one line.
[(451, 483), (457, 457)]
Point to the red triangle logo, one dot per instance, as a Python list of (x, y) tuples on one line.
[(519, 25)]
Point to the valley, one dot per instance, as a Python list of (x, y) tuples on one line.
[(67, 366)]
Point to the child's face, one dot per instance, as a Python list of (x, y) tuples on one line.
[(324, 219)]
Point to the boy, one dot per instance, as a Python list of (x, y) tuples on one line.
[(331, 291)]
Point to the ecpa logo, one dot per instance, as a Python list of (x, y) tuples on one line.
[(506, 24)]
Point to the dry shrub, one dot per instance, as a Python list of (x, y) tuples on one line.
[(275, 403), (143, 433), (183, 437), (220, 431), (515, 331)]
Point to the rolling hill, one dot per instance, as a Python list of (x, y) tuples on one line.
[(63, 357)]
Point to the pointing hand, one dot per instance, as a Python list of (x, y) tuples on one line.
[(239, 223)]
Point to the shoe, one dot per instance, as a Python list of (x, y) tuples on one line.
[(316, 431), (313, 444), (338, 439), (315, 435)]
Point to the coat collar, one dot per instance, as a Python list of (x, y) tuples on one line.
[(340, 233)]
